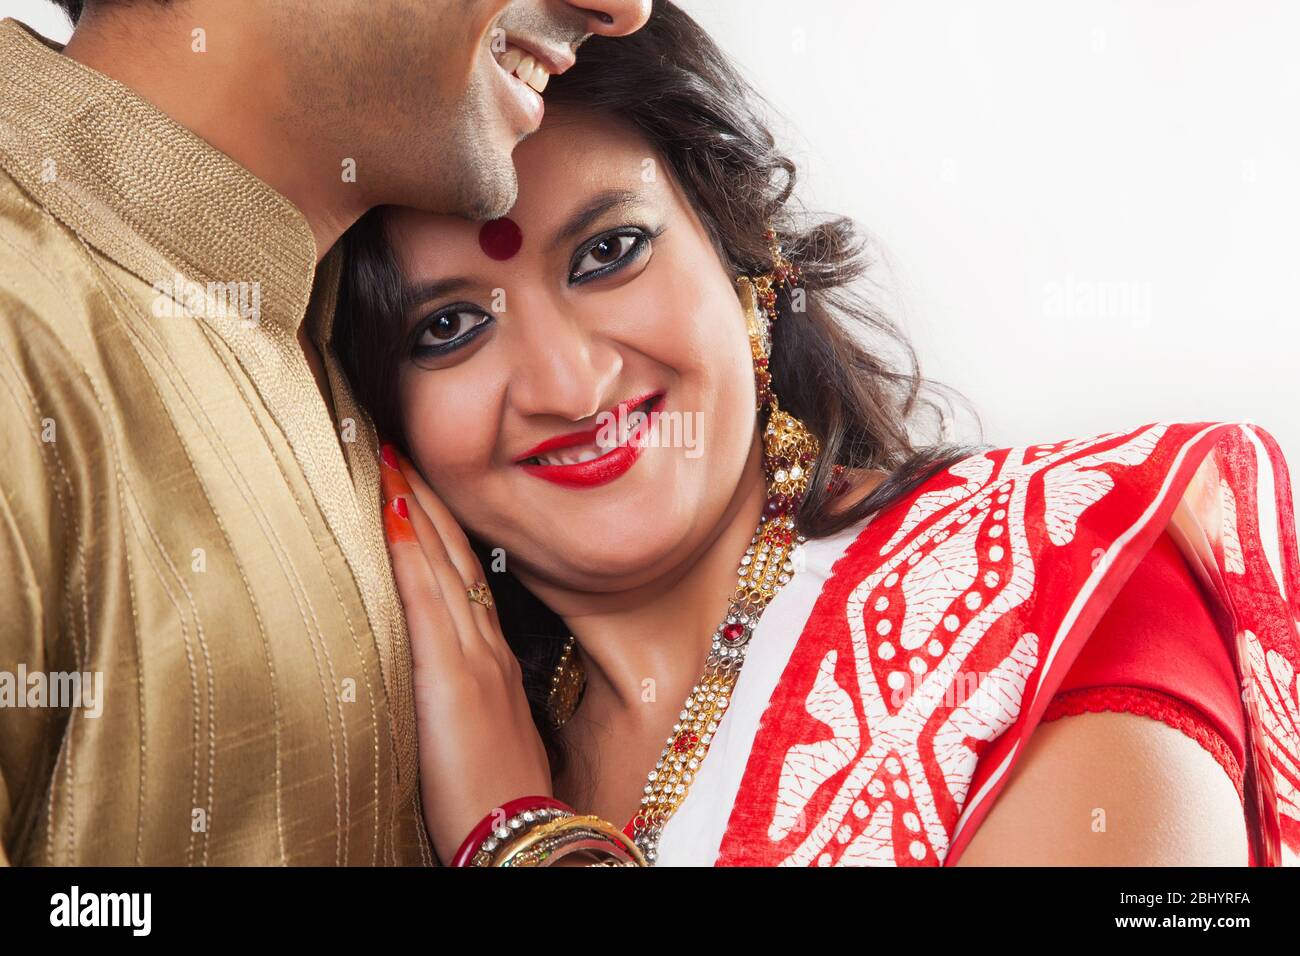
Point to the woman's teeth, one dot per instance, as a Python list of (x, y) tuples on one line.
[(522, 65), (572, 456), (581, 453)]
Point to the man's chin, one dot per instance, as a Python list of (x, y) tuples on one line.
[(494, 192)]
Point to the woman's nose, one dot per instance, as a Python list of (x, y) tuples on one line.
[(561, 369), (613, 18)]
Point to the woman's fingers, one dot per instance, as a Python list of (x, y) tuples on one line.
[(434, 579), (453, 536), (457, 547), (434, 648), (474, 725)]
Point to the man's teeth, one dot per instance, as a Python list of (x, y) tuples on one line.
[(522, 65)]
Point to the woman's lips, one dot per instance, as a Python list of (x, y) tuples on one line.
[(598, 471)]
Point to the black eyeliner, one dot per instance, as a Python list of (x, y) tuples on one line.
[(643, 236), (436, 351)]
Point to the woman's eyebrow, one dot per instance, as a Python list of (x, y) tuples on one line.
[(417, 293), (600, 204)]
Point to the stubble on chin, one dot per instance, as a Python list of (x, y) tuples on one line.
[(482, 173), (489, 192)]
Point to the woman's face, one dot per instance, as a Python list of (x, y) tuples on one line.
[(615, 295)]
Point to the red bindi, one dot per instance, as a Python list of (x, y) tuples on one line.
[(501, 238)]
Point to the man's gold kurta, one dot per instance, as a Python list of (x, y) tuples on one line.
[(179, 513)]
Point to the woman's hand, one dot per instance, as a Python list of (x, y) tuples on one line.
[(477, 742)]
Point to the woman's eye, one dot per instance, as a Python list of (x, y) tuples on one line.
[(604, 253), (449, 329)]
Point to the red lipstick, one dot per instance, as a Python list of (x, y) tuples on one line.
[(602, 470)]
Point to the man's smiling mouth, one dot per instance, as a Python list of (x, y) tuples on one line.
[(523, 66), (530, 60)]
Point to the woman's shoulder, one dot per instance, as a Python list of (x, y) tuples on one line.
[(1070, 518), (1065, 483), (1158, 651), (943, 620)]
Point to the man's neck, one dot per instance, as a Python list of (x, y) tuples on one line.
[(229, 90)]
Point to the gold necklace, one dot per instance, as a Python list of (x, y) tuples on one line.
[(790, 451)]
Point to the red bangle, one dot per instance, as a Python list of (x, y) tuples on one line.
[(483, 829)]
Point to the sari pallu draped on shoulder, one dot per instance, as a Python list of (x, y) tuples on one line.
[(887, 695)]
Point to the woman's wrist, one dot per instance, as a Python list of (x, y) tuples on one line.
[(564, 838), (542, 831), (505, 821)]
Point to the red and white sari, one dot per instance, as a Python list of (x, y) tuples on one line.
[(892, 684)]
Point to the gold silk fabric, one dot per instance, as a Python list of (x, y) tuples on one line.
[(182, 522)]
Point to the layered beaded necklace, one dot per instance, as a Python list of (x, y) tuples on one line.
[(790, 451)]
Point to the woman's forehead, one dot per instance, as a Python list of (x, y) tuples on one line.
[(526, 229), (578, 160), (574, 142), (577, 156), (559, 193)]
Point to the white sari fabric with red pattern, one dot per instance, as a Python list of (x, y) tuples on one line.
[(893, 683)]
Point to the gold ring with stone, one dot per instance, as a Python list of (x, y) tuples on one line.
[(479, 592)]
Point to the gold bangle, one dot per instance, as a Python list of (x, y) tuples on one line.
[(507, 832), (550, 842), (550, 850), (555, 839)]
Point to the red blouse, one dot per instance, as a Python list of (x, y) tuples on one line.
[(1158, 652)]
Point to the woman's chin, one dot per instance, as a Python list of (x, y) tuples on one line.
[(607, 557), (616, 536)]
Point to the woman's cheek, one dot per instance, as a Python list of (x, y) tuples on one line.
[(449, 449)]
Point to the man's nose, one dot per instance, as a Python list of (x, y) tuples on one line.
[(613, 18)]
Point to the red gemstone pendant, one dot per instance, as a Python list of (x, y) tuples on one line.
[(685, 741)]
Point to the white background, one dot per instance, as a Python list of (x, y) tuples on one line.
[(1086, 212)]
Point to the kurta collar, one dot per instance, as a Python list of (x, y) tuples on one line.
[(144, 190)]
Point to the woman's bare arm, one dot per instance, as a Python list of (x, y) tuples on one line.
[(1113, 789)]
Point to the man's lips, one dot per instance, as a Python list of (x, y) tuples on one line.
[(527, 68), (526, 102), (518, 50), (599, 468)]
